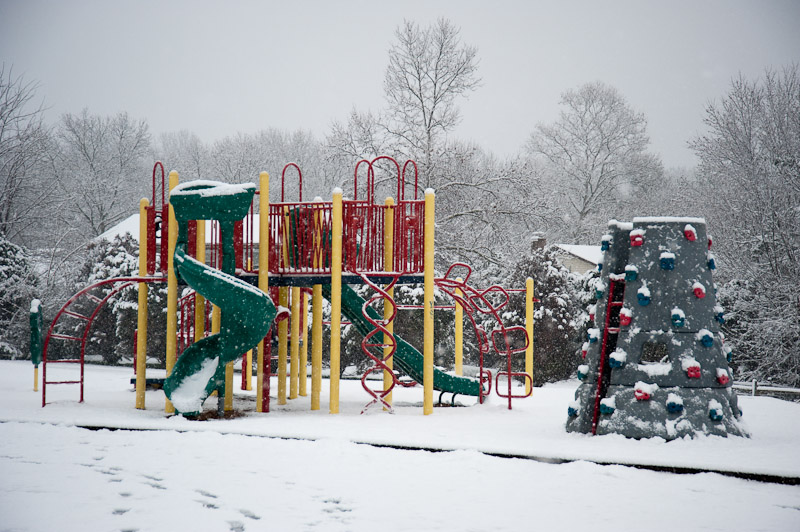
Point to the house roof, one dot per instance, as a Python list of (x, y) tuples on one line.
[(591, 254)]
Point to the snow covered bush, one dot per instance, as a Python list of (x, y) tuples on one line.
[(112, 334), (560, 318), (17, 289)]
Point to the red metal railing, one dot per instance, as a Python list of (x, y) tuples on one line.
[(186, 320)]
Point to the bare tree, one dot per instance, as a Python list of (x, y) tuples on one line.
[(100, 164), (429, 68), (596, 153), (23, 148)]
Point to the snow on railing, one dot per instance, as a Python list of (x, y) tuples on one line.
[(756, 388)]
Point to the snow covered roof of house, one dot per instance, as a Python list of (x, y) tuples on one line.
[(591, 254), (128, 225), (131, 225)]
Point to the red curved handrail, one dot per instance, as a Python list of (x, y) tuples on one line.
[(158, 163), (355, 178), (402, 193), (371, 178), (300, 175)]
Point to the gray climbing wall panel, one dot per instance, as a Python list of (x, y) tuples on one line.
[(655, 361)]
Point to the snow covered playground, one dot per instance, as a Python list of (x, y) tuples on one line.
[(654, 437)]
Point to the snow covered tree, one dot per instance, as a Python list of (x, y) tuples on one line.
[(112, 332), (185, 152), (749, 176), (240, 159), (429, 69), (17, 289), (106, 260), (100, 166), (559, 318), (596, 153), (481, 200), (24, 142)]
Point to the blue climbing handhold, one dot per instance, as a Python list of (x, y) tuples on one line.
[(674, 408)]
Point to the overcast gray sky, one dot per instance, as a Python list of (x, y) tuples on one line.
[(216, 68)]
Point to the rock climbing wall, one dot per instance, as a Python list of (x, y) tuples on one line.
[(655, 362)]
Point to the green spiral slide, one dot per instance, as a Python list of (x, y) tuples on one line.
[(406, 358), (247, 312)]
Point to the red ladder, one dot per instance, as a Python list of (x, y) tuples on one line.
[(613, 307), (82, 325)]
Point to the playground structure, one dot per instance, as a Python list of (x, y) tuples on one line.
[(655, 363), (301, 249)]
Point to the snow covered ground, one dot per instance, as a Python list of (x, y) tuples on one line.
[(313, 471)]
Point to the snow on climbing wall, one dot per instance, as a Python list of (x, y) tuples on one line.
[(664, 361)]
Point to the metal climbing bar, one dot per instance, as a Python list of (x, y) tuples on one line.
[(380, 358), (79, 328)]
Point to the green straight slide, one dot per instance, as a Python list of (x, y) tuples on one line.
[(247, 312), (406, 358)]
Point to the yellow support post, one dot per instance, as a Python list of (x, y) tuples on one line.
[(35, 378), (388, 265), (529, 329), (263, 274), (200, 301), (316, 346), (336, 299), (248, 370), (294, 380), (283, 301), (141, 320), (172, 291), (459, 327), (216, 324), (427, 368), (303, 391)]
